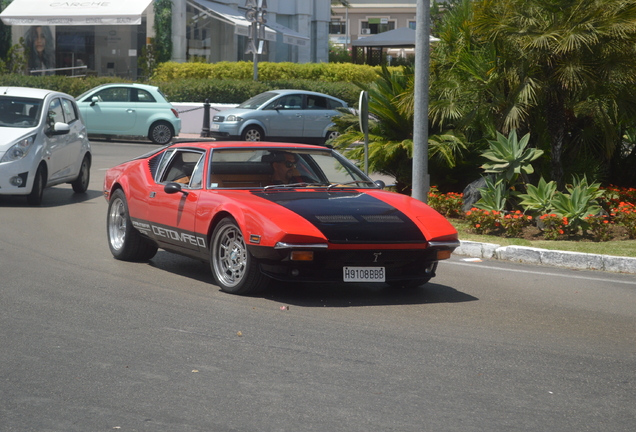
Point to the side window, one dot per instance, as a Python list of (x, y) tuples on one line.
[(316, 102), (144, 96), (333, 104), (70, 114), (290, 101), (197, 176), (114, 94), (55, 113), (167, 155), (181, 167)]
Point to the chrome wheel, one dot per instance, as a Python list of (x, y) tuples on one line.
[(233, 267), (230, 260), (117, 222)]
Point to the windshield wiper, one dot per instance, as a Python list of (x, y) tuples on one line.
[(355, 182), (293, 185)]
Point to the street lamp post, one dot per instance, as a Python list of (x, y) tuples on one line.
[(421, 178), (256, 13)]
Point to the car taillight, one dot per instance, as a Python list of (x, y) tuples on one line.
[(175, 112)]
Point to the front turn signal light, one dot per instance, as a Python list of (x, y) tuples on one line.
[(302, 256), (443, 254)]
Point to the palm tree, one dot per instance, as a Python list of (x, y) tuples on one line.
[(576, 63), (391, 131)]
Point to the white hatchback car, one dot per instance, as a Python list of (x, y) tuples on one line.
[(43, 143)]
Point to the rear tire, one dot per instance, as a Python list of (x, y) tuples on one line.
[(124, 241), (80, 184), (39, 183), (234, 269), (160, 132)]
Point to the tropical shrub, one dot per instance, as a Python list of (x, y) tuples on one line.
[(494, 195), (578, 203), (538, 199), (510, 158)]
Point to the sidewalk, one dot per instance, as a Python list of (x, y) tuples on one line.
[(530, 255)]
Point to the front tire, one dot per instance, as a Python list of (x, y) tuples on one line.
[(234, 269), (160, 133), (80, 184), (253, 133), (124, 241), (39, 183), (331, 135)]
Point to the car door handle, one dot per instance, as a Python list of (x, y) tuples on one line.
[(130, 110), (299, 115)]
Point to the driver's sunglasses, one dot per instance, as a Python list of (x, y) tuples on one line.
[(290, 164)]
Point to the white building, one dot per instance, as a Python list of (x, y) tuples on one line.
[(107, 36)]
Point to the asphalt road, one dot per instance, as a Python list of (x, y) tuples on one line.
[(89, 343)]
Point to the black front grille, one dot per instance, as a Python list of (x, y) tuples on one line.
[(218, 119)]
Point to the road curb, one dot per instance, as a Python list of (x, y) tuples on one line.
[(530, 255)]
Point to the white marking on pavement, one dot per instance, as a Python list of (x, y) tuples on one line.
[(543, 273)]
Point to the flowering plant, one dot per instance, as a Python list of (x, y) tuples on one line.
[(625, 214), (483, 221), (554, 226), (514, 222), (448, 204), (599, 227)]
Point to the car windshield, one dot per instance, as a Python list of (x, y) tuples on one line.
[(273, 168), (257, 101), (19, 112)]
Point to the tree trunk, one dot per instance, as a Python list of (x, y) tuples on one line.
[(556, 123)]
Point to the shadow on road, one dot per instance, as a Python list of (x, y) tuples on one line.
[(53, 197), (321, 294), (356, 295)]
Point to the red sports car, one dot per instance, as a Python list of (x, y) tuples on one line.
[(258, 211)]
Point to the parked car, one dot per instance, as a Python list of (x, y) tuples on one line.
[(255, 212), (129, 110), (280, 115), (43, 143)]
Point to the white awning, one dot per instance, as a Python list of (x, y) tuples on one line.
[(72, 13), (237, 18)]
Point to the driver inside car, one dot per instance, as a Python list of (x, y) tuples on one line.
[(284, 166)]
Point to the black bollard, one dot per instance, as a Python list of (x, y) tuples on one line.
[(205, 130)]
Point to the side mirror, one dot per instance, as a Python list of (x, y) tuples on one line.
[(94, 100), (278, 107), (59, 128), (380, 184), (172, 188)]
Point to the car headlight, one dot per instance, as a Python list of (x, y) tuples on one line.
[(19, 150), (232, 117)]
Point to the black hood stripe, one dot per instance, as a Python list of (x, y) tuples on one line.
[(349, 216)]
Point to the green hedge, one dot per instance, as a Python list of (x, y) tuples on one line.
[(186, 84), (267, 71), (237, 91)]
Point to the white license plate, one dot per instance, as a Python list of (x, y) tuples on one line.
[(214, 126), (363, 274)]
